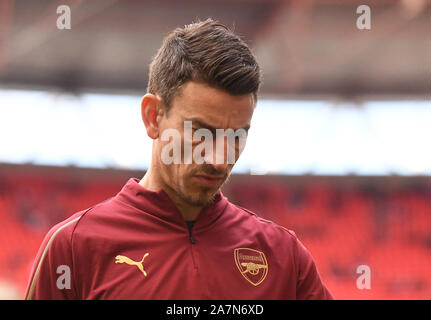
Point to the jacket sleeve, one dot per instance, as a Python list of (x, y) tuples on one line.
[(309, 285), (51, 276)]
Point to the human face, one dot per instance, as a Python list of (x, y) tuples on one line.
[(206, 108)]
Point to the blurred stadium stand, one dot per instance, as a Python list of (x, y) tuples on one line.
[(382, 222), (304, 47)]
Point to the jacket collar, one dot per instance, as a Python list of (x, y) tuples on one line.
[(159, 204)]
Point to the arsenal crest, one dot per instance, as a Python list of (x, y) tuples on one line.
[(252, 264)]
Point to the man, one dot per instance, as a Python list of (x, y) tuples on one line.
[(173, 235)]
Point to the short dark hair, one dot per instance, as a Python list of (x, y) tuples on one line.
[(207, 52)]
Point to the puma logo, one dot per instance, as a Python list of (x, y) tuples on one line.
[(124, 259)]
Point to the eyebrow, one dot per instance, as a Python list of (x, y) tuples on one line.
[(210, 127)]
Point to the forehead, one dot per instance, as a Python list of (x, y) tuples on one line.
[(213, 106)]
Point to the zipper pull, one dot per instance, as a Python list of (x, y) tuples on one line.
[(192, 239), (190, 225)]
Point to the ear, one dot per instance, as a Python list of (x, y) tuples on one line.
[(151, 113)]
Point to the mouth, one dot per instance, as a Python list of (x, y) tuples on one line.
[(208, 180)]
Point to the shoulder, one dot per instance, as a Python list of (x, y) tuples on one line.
[(65, 230), (251, 220), (282, 243)]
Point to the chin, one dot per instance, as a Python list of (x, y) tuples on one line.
[(200, 198)]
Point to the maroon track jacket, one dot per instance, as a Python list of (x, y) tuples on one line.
[(137, 245)]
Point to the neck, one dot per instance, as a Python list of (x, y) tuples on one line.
[(153, 182)]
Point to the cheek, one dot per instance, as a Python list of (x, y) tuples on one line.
[(229, 169)]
